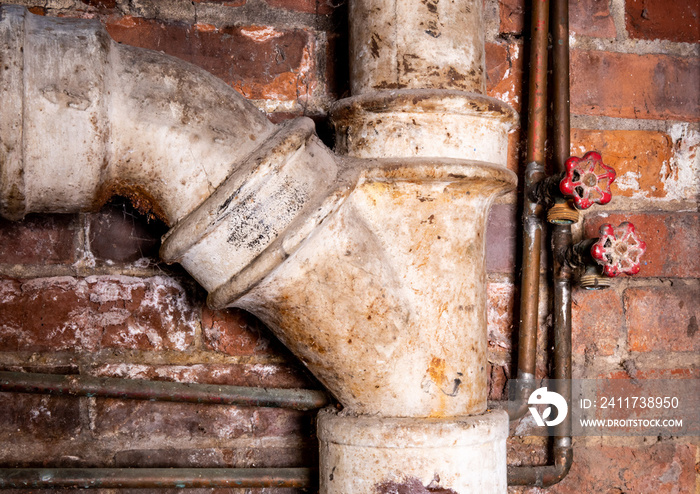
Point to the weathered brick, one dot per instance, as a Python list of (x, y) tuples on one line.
[(39, 416), (188, 420), (236, 332), (631, 372), (586, 17), (501, 305), (663, 318), (119, 234), (597, 321), (504, 72), (322, 7), (656, 468), (225, 3), (101, 4), (38, 239), (635, 86), (672, 240), (254, 375), (55, 314), (640, 158), (260, 62), (676, 21), (497, 382)]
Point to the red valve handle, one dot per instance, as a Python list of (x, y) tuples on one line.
[(618, 249), (587, 180)]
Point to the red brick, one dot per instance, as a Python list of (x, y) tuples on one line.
[(597, 321), (225, 3), (309, 6), (137, 419), (504, 72), (501, 304), (663, 318), (635, 86), (656, 468), (672, 240), (260, 62), (38, 239), (512, 16), (586, 17), (119, 234), (675, 21), (634, 373), (254, 375), (527, 450), (235, 332), (37, 10), (39, 416), (639, 158), (101, 4), (497, 382), (56, 314)]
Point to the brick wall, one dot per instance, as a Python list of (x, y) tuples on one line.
[(85, 294)]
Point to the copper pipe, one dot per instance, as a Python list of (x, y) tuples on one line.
[(532, 211), (132, 478), (104, 387), (544, 476), (561, 235)]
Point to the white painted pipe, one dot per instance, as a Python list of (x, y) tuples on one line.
[(84, 118), (369, 267)]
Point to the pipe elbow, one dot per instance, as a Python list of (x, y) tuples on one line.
[(85, 118)]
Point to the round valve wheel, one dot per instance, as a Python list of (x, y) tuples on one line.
[(618, 249), (587, 180)]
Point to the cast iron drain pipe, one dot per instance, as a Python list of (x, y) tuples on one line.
[(136, 389), (547, 475), (133, 478)]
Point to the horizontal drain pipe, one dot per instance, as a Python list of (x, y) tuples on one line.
[(135, 389), (134, 478)]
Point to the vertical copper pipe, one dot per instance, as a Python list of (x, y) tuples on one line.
[(532, 211), (544, 476), (561, 237)]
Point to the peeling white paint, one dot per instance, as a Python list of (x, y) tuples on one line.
[(680, 175), (628, 181), (261, 34)]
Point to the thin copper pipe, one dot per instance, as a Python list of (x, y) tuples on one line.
[(544, 476), (153, 478), (76, 385), (532, 211)]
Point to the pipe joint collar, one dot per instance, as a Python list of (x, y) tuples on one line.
[(259, 215)]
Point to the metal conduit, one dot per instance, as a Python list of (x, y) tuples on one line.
[(297, 399), (135, 389), (18, 478)]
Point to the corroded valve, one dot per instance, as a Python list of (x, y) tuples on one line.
[(587, 180), (618, 249)]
